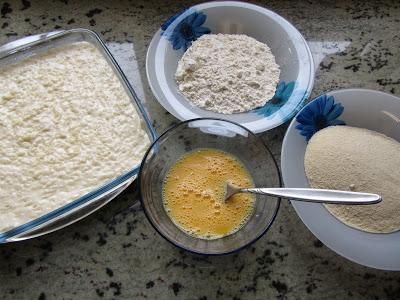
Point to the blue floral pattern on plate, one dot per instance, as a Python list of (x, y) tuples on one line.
[(187, 30), (318, 114)]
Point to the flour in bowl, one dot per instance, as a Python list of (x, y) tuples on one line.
[(361, 160), (228, 73), (67, 126)]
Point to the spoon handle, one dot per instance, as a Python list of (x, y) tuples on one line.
[(318, 195)]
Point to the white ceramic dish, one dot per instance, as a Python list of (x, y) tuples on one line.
[(287, 44), (362, 108)]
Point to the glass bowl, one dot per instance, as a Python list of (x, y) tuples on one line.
[(217, 134)]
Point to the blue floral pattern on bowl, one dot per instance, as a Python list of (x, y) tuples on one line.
[(171, 19), (318, 114), (187, 30), (282, 95), (287, 101)]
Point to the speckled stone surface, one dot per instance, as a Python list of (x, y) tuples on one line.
[(115, 253)]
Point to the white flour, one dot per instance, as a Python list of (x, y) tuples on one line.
[(350, 158), (228, 73)]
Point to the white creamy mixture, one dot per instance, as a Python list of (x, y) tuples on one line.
[(66, 127), (361, 160), (228, 73)]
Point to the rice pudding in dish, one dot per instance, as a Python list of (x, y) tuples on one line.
[(193, 194), (361, 160), (67, 126)]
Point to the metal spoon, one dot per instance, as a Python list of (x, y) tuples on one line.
[(309, 195)]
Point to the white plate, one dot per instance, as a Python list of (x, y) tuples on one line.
[(362, 108), (287, 44)]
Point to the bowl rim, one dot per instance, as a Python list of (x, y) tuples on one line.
[(328, 242), (147, 214), (159, 95)]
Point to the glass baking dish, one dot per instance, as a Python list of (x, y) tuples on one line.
[(23, 48)]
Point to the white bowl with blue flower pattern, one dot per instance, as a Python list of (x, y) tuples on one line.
[(354, 107), (287, 44)]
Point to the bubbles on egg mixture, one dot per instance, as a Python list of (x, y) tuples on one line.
[(193, 192)]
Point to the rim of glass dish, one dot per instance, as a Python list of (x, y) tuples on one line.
[(4, 236), (183, 247), (154, 86)]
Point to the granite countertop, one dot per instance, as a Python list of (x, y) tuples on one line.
[(115, 253)]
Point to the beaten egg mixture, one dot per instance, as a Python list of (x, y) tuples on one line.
[(193, 193)]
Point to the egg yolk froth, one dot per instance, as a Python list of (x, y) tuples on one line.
[(193, 194)]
